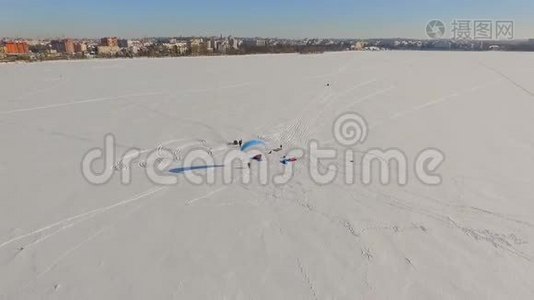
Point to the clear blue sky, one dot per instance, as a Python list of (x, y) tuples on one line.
[(273, 18)]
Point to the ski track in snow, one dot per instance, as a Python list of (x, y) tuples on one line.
[(72, 221), (509, 79), (439, 214), (190, 202), (307, 279), (299, 129), (71, 250), (114, 98), (93, 100), (434, 102), (89, 214)]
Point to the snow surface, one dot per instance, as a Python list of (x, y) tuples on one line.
[(468, 238)]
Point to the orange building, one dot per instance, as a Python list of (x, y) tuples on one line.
[(109, 42), (80, 47), (63, 46), (17, 48), (69, 46)]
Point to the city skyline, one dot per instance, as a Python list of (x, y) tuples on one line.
[(283, 19)]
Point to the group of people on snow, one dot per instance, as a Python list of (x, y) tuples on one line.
[(258, 157)]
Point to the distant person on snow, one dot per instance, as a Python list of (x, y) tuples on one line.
[(286, 160)]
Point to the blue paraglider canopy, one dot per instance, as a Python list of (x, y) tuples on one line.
[(251, 144)]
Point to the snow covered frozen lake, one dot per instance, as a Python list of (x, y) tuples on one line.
[(470, 237)]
